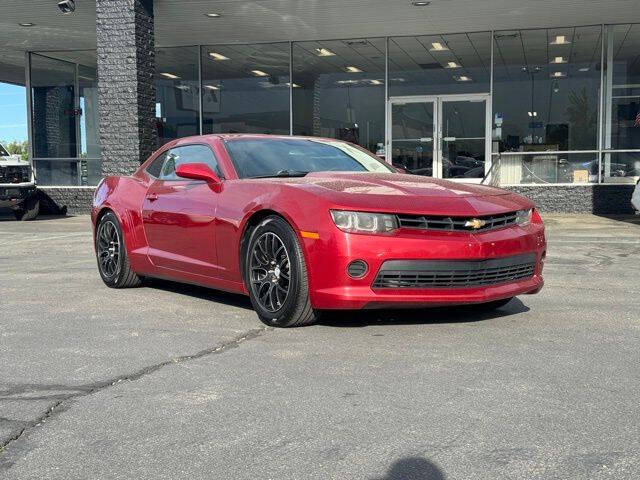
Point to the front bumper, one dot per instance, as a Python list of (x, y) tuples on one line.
[(332, 288), (12, 195)]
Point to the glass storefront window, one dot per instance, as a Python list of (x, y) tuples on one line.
[(66, 147), (245, 88), (545, 168), (177, 93), (622, 103), (53, 86), (546, 89), (440, 64), (338, 90)]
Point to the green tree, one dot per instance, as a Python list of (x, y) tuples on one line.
[(18, 148)]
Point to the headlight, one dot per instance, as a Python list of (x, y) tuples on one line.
[(523, 217), (364, 222)]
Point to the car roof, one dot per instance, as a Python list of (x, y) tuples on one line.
[(257, 136)]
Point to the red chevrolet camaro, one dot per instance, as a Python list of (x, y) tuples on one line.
[(304, 225)]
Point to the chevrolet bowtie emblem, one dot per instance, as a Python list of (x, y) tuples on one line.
[(475, 223)]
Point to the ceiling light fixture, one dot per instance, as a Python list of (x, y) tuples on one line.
[(376, 82), (259, 73), (438, 47), (463, 78), (417, 3), (560, 40), (217, 56), (532, 114), (212, 15), (211, 87), (294, 85), (170, 76), (557, 60), (584, 69), (558, 74), (324, 52), (452, 65), (352, 69), (27, 24)]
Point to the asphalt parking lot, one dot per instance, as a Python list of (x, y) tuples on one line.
[(170, 381)]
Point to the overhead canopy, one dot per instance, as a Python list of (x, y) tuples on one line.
[(183, 22)]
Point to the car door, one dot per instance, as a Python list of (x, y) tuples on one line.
[(179, 215)]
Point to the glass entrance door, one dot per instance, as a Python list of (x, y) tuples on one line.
[(444, 137), (413, 133)]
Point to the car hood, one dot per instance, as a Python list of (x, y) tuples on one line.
[(13, 161), (407, 194)]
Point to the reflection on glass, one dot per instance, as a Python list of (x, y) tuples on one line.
[(245, 88), (463, 139), (412, 134), (53, 108), (66, 145), (177, 97), (622, 102), (440, 64), (515, 169), (339, 91), (546, 89)]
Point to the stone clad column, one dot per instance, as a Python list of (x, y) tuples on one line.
[(126, 90)]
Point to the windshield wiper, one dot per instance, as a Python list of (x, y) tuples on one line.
[(283, 174)]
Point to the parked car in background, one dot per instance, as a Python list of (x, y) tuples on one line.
[(635, 198), (18, 186), (303, 225)]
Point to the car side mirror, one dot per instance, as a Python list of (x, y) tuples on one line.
[(198, 171)]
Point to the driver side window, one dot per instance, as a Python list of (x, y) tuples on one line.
[(188, 154)]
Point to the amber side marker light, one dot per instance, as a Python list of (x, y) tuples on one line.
[(313, 235)]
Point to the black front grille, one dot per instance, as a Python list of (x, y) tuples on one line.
[(15, 174), (454, 273), (436, 222)]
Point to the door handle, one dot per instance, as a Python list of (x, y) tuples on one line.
[(152, 197)]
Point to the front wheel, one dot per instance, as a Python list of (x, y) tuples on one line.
[(113, 262), (29, 210), (276, 275)]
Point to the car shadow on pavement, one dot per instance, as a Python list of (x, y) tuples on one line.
[(204, 293), (413, 468), (454, 314)]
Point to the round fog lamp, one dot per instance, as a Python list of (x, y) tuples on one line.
[(357, 269)]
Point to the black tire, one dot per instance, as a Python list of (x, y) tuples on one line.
[(272, 254), (111, 254), (29, 210)]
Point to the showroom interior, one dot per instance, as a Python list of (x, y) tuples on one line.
[(543, 104)]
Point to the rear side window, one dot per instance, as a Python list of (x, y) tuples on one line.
[(188, 154), (155, 167)]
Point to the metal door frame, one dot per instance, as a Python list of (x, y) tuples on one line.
[(437, 101)]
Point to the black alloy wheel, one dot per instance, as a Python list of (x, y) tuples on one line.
[(108, 243), (275, 274), (111, 253), (270, 271)]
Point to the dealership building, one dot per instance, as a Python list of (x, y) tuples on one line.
[(540, 97)]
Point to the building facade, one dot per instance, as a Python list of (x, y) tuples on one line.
[(548, 110)]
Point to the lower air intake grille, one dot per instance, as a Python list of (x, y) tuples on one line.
[(454, 274)]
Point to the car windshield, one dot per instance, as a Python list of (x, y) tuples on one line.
[(283, 157), (3, 152)]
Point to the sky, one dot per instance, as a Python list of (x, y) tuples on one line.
[(13, 113)]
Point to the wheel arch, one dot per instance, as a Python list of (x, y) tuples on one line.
[(249, 225)]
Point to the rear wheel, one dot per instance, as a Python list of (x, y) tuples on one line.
[(276, 275), (113, 262)]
